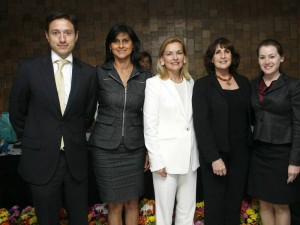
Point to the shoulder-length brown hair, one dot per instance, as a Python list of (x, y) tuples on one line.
[(161, 70), (224, 43)]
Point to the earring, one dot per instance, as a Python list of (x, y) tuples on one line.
[(184, 62), (162, 63)]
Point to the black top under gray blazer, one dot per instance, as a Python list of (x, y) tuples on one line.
[(210, 112), (120, 109), (36, 117), (277, 120)]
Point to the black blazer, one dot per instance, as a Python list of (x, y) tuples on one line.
[(120, 112), (210, 112), (277, 121), (36, 117)]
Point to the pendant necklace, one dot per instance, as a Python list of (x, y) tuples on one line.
[(226, 80)]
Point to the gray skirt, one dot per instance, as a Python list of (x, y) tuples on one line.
[(119, 173)]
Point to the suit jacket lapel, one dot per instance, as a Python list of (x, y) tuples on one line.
[(112, 71), (241, 86), (216, 84), (75, 84), (189, 93), (278, 84), (47, 74)]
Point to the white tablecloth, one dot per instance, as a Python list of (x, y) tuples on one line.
[(12, 151), (17, 151)]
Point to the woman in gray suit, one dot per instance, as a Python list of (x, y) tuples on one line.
[(275, 161), (117, 142)]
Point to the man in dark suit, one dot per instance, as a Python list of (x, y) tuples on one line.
[(51, 121)]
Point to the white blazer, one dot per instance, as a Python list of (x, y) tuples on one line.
[(168, 127)]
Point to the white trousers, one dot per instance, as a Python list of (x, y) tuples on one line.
[(179, 186)]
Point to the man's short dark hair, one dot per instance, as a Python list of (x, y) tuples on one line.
[(61, 15)]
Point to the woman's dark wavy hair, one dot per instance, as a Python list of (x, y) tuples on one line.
[(111, 36), (224, 43), (276, 44)]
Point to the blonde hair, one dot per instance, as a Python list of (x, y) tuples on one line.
[(161, 70)]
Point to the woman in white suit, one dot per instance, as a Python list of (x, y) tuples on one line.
[(169, 135)]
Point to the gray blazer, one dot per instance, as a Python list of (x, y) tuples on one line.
[(277, 121), (120, 109)]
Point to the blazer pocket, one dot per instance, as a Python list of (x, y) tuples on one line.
[(105, 119), (30, 143), (104, 128), (166, 137)]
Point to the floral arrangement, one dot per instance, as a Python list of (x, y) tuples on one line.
[(147, 212), (199, 213), (250, 213), (14, 214), (27, 217), (63, 216), (98, 214), (4, 217)]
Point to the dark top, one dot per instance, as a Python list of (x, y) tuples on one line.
[(237, 108), (120, 109), (211, 115), (277, 120)]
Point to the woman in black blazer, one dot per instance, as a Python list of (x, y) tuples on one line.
[(275, 161), (221, 110)]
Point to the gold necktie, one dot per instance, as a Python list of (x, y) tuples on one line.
[(60, 86)]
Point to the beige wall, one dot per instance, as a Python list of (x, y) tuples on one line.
[(244, 22)]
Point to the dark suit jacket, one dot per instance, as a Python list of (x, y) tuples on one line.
[(120, 110), (36, 117), (277, 121), (210, 111)]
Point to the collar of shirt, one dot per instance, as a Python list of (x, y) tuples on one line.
[(56, 57)]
